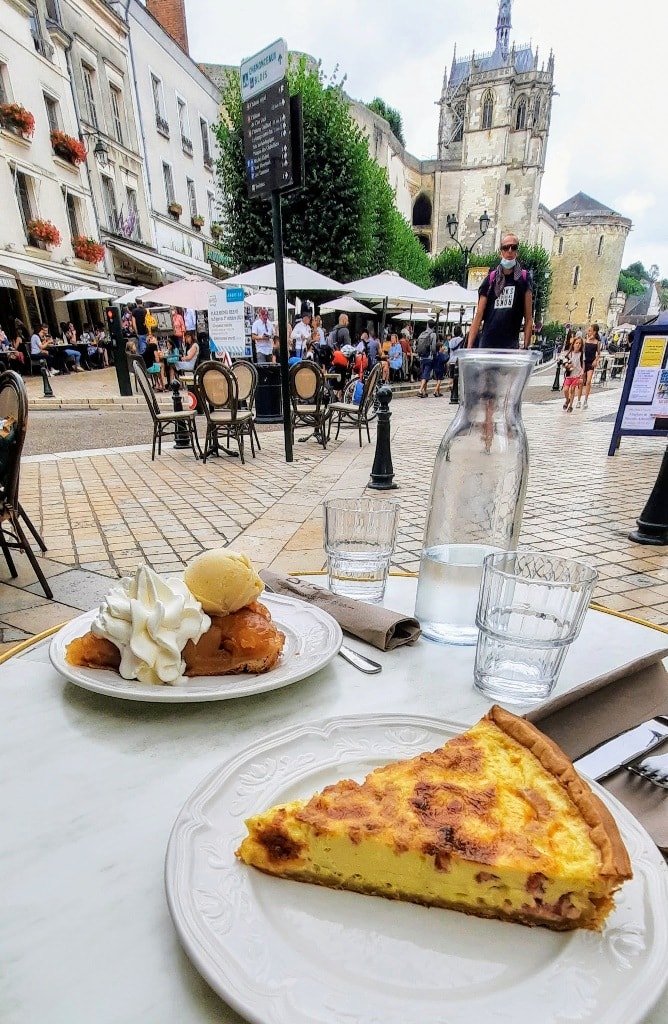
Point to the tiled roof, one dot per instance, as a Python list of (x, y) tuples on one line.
[(521, 58), (583, 204)]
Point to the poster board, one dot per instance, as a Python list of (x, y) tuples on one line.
[(643, 408), (226, 322)]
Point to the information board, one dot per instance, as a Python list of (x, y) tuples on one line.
[(267, 143), (263, 69), (226, 322), (643, 408)]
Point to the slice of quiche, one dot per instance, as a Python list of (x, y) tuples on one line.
[(495, 823)]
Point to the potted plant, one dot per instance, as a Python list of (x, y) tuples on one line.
[(17, 118), (68, 148), (175, 209), (216, 229), (197, 221), (87, 249), (43, 231)]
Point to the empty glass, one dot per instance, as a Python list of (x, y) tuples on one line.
[(531, 608), (360, 534)]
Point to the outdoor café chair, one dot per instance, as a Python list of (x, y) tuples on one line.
[(165, 424), (351, 415), (14, 403), (217, 389), (246, 377), (309, 399)]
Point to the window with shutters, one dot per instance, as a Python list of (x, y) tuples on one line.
[(109, 198), (168, 179), (25, 198), (117, 112), (192, 197), (206, 142), (52, 113), (161, 121), (4, 84), (73, 218), (89, 93)]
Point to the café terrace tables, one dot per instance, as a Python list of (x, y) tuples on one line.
[(90, 787)]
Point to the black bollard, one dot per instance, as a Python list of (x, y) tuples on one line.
[(454, 390), (382, 472), (653, 522), (557, 383), (181, 436), (48, 390)]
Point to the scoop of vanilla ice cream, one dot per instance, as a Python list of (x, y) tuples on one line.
[(150, 619), (223, 581)]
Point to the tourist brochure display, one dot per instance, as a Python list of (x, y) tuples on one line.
[(643, 407)]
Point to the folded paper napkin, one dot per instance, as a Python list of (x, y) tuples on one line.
[(594, 712), (378, 626)]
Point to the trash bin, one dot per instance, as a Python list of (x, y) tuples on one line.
[(268, 403)]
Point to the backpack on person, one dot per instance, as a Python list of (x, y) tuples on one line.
[(426, 343)]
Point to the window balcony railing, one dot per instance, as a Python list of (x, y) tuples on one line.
[(187, 145), (162, 125)]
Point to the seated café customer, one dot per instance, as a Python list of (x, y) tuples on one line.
[(395, 358), (39, 346), (15, 355), (69, 336), (190, 358), (93, 351)]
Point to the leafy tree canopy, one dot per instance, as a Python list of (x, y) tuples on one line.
[(391, 115), (629, 284), (343, 221), (449, 266)]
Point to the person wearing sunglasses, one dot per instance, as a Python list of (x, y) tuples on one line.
[(505, 300)]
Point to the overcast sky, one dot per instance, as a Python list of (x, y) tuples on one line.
[(607, 136)]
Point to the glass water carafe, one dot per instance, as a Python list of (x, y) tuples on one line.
[(477, 492)]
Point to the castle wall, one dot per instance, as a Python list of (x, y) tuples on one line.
[(598, 274)]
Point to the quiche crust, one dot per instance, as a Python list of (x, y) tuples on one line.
[(495, 823)]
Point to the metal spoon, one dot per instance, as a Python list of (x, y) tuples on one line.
[(360, 661)]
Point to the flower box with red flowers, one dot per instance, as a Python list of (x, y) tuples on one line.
[(44, 231), (17, 118), (88, 249), (68, 148)]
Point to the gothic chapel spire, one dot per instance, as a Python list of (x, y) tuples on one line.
[(503, 27)]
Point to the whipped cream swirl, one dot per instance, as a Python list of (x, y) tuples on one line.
[(150, 620)]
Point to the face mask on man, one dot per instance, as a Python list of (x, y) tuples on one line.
[(508, 264)]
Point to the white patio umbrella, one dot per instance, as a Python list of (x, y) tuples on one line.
[(268, 299), (389, 286), (190, 292), (454, 294), (344, 304), (131, 296), (85, 292), (419, 317), (297, 279)]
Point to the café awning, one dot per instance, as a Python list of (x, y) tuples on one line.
[(152, 260), (39, 275)]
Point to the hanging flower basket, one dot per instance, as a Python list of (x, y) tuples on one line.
[(68, 148), (44, 231), (197, 221), (17, 118), (175, 209), (88, 249)]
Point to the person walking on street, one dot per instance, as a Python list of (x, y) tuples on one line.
[(504, 301), (574, 368), (262, 333), (301, 332), (139, 326), (426, 350), (592, 354)]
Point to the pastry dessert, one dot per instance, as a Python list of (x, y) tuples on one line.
[(496, 823), (159, 631)]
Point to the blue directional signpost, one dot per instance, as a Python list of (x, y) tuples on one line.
[(268, 151)]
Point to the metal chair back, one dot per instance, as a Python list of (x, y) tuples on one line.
[(14, 403), (145, 385), (307, 384), (217, 387), (246, 377)]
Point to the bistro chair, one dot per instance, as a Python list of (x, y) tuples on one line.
[(351, 415), (14, 403), (218, 391), (165, 424), (246, 377), (309, 397)]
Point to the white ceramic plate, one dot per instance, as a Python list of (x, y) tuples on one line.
[(312, 639), (284, 952)]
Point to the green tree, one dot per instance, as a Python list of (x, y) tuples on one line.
[(637, 270), (391, 115), (629, 284), (343, 221)]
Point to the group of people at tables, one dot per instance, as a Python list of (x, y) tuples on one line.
[(342, 359), (165, 357), (67, 352)]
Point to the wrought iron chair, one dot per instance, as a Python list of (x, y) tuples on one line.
[(217, 389), (309, 398), (246, 376), (349, 414), (165, 424), (14, 403)]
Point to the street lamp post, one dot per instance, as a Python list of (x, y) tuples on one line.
[(452, 225)]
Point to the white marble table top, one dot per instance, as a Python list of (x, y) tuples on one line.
[(90, 787)]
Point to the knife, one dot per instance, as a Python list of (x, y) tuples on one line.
[(607, 757)]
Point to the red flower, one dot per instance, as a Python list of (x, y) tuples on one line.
[(13, 115), (68, 147), (88, 249), (44, 231)]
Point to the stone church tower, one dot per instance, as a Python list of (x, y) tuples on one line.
[(494, 123)]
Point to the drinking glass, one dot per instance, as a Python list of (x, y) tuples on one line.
[(360, 534), (531, 608)]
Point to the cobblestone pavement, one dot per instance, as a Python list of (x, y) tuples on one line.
[(104, 510)]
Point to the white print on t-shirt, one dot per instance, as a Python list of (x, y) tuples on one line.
[(506, 298)]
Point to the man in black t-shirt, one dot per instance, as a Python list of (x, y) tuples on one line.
[(505, 300), (139, 324)]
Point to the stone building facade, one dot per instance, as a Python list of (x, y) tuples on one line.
[(587, 253)]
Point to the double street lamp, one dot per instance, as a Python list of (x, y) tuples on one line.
[(452, 225)]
